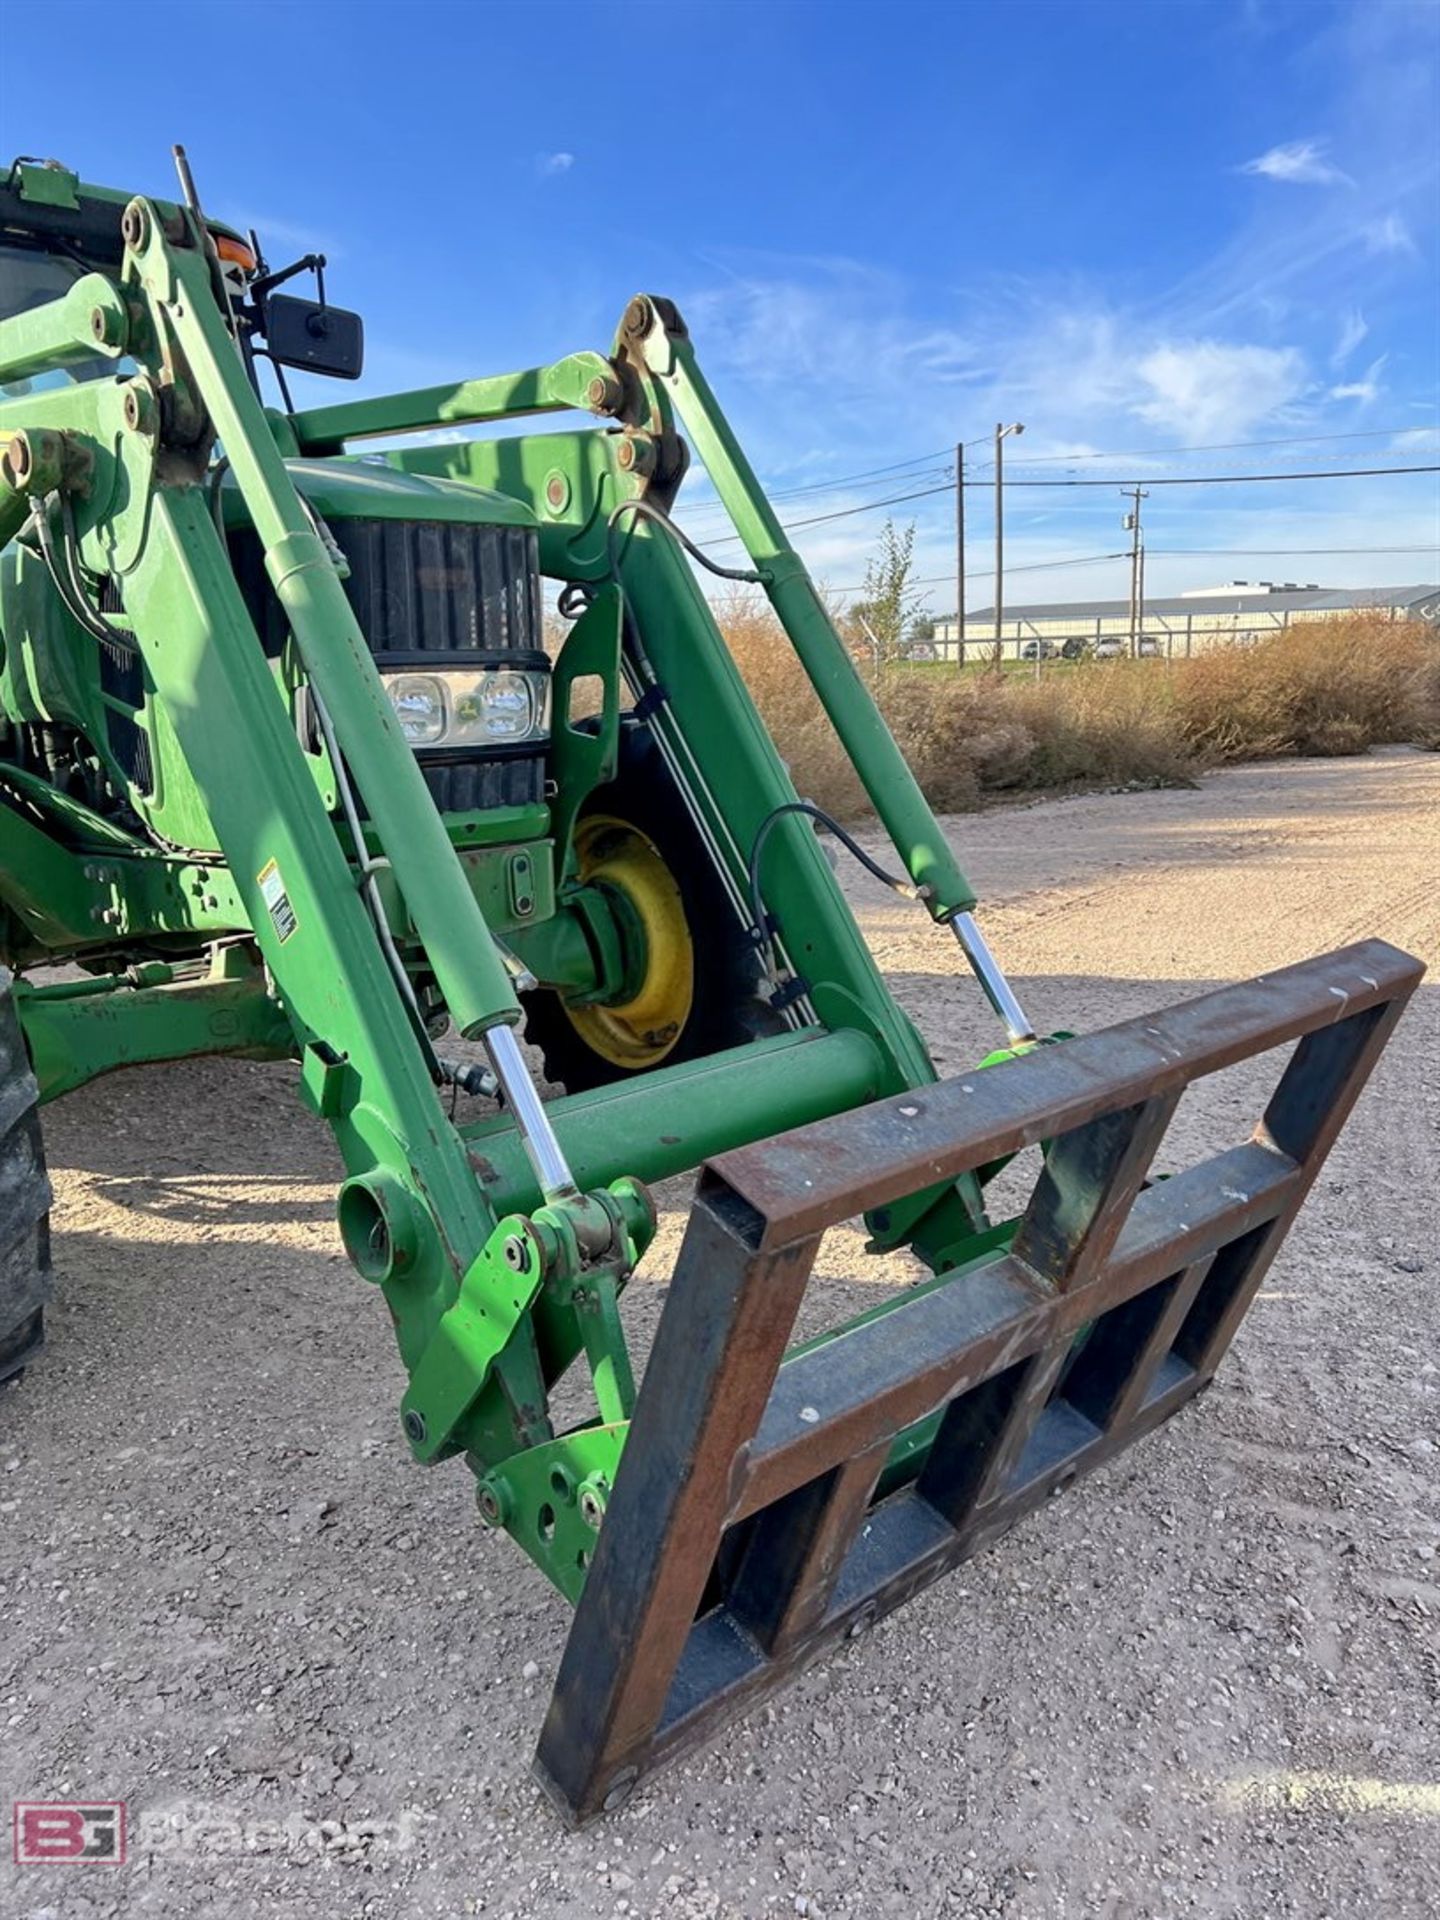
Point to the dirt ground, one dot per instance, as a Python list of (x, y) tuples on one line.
[(1207, 1681)]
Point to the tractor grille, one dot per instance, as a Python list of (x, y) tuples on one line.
[(422, 589), (421, 586)]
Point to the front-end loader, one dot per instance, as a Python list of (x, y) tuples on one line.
[(288, 772)]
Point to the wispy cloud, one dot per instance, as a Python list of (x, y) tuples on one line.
[(1366, 389), (549, 166), (1300, 163), (1213, 390), (281, 237), (1390, 235), (1353, 329)]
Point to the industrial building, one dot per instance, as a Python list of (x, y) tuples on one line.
[(1190, 622)]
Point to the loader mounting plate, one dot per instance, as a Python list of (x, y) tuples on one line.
[(745, 1530)]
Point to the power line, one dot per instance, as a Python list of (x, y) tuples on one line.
[(1217, 446), (1229, 479), (1072, 459), (1166, 553), (1179, 480), (1287, 553), (985, 573), (921, 460), (848, 479)]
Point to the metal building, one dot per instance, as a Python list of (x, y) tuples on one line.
[(1190, 622)]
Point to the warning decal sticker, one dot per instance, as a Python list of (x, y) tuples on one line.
[(272, 892)]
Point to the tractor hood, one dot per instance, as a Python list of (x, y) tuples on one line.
[(363, 489)]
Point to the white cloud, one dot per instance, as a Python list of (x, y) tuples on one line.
[(1209, 390), (1390, 235), (282, 238), (1366, 389), (549, 166), (1353, 329), (1300, 163)]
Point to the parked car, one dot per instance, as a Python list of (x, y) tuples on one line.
[(1109, 647), (1037, 650)]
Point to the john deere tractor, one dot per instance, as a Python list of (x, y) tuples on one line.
[(288, 771)]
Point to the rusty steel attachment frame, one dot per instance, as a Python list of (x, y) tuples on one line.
[(757, 1517)]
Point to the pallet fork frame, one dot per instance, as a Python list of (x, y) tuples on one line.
[(743, 1534)]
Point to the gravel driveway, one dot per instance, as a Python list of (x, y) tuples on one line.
[(1205, 1682)]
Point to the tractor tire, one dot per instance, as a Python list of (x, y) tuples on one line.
[(25, 1283), (724, 1004)]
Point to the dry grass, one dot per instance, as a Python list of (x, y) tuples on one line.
[(1323, 688)]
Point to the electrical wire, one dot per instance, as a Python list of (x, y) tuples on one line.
[(1018, 461), (1166, 553), (1219, 479), (1163, 480), (1022, 461), (1214, 446)]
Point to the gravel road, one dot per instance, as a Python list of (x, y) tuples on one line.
[(1207, 1681)]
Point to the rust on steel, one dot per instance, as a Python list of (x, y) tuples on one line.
[(766, 1505)]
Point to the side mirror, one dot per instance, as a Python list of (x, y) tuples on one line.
[(314, 337)]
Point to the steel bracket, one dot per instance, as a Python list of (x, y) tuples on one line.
[(767, 1505)]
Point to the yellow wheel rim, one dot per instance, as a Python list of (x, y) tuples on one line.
[(638, 1032)]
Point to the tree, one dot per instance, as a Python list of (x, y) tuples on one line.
[(882, 617)]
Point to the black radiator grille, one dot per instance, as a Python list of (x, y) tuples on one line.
[(432, 587), (422, 586)]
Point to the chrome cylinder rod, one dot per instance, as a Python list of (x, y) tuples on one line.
[(545, 1153), (987, 972)]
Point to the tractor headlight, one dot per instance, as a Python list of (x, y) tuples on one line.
[(471, 707)]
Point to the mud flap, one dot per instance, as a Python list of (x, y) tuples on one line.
[(767, 1505), (25, 1283)]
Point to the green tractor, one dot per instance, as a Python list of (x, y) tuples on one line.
[(287, 771)]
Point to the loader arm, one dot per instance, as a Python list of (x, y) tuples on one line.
[(229, 800)]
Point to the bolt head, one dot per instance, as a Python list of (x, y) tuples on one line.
[(517, 1253), (135, 225), (139, 408)]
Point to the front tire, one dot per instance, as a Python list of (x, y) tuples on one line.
[(25, 1282), (699, 988)]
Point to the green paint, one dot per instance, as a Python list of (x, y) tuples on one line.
[(185, 841)]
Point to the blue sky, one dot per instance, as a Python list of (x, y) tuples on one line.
[(1148, 230)]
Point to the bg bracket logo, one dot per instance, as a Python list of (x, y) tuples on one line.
[(52, 1833)]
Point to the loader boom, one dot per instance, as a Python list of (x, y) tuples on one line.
[(286, 772)]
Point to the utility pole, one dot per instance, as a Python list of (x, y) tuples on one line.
[(1131, 523), (960, 553), (1001, 434)]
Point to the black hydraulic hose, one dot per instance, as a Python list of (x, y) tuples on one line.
[(831, 825), (647, 510), (63, 568)]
